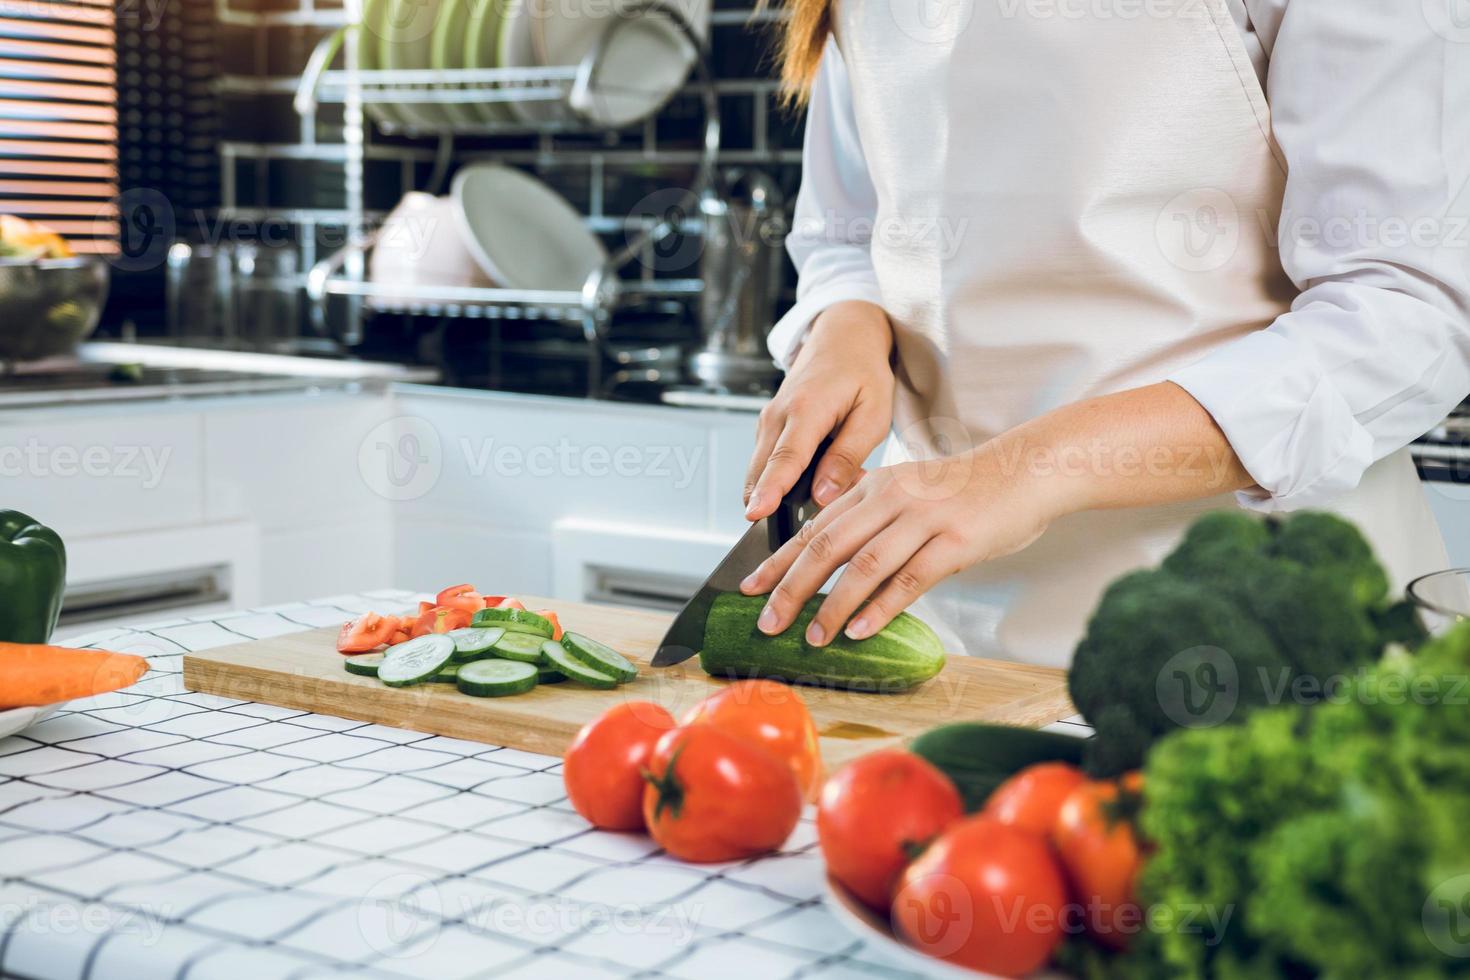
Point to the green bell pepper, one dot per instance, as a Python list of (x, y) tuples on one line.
[(32, 578)]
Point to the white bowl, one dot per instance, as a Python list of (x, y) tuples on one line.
[(421, 243), (16, 720), (524, 234)]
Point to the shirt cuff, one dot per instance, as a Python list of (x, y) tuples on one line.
[(1289, 425), (786, 337)]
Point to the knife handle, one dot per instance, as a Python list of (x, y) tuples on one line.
[(797, 507)]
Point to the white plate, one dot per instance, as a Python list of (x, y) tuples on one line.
[(644, 63), (405, 46), (16, 720), (515, 48), (523, 233), (873, 929)]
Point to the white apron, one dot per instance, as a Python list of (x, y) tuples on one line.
[(1074, 198)]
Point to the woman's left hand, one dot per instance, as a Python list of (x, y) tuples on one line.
[(901, 530)]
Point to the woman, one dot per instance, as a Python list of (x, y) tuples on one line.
[(1099, 264)]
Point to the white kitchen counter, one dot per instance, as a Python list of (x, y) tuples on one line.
[(159, 833)]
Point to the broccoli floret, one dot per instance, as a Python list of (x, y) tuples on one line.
[(1333, 545), (1257, 612)]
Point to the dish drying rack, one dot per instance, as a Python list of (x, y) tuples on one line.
[(572, 88)]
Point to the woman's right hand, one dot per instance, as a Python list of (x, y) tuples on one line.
[(840, 385)]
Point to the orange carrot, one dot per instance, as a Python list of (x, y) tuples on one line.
[(32, 674)]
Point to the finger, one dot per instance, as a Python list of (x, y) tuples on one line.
[(842, 465), (769, 572), (869, 567), (785, 462), (767, 429), (824, 552), (936, 560)]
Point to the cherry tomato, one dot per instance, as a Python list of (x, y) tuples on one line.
[(367, 632), (1100, 853), (1031, 798), (460, 597), (986, 896), (770, 714), (440, 619), (603, 769), (713, 796), (876, 814)]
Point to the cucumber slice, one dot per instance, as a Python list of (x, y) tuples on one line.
[(416, 660), (470, 640), (548, 675), (556, 656), (365, 664), (519, 620), (525, 647), (599, 656), (496, 678), (448, 675)]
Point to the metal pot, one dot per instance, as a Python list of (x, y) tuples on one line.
[(49, 306)]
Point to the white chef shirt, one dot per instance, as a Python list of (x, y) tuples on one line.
[(1370, 103)]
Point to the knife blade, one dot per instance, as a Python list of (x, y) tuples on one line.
[(763, 538)]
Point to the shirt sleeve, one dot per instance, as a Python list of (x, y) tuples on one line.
[(1369, 104), (835, 212)]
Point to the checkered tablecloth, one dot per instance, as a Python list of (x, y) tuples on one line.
[(160, 833)]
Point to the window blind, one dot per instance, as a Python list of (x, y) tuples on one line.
[(58, 118)]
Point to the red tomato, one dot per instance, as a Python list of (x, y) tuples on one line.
[(440, 619), (367, 632), (770, 714), (424, 607), (555, 623), (713, 796), (1031, 798), (986, 896), (509, 602), (460, 597), (492, 601), (1094, 838), (603, 769), (399, 636), (875, 813)]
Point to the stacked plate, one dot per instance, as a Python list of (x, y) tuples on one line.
[(644, 61), (498, 227)]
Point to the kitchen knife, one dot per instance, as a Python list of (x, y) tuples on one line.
[(758, 543)]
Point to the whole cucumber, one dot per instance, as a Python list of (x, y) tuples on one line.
[(978, 757), (901, 656)]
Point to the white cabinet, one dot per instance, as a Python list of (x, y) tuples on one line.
[(501, 474)]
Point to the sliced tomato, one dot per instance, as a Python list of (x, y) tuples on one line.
[(399, 636), (550, 616), (367, 632), (441, 619), (460, 597), (509, 602), (492, 601), (425, 607)]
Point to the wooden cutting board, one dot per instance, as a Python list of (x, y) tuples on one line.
[(304, 670)]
